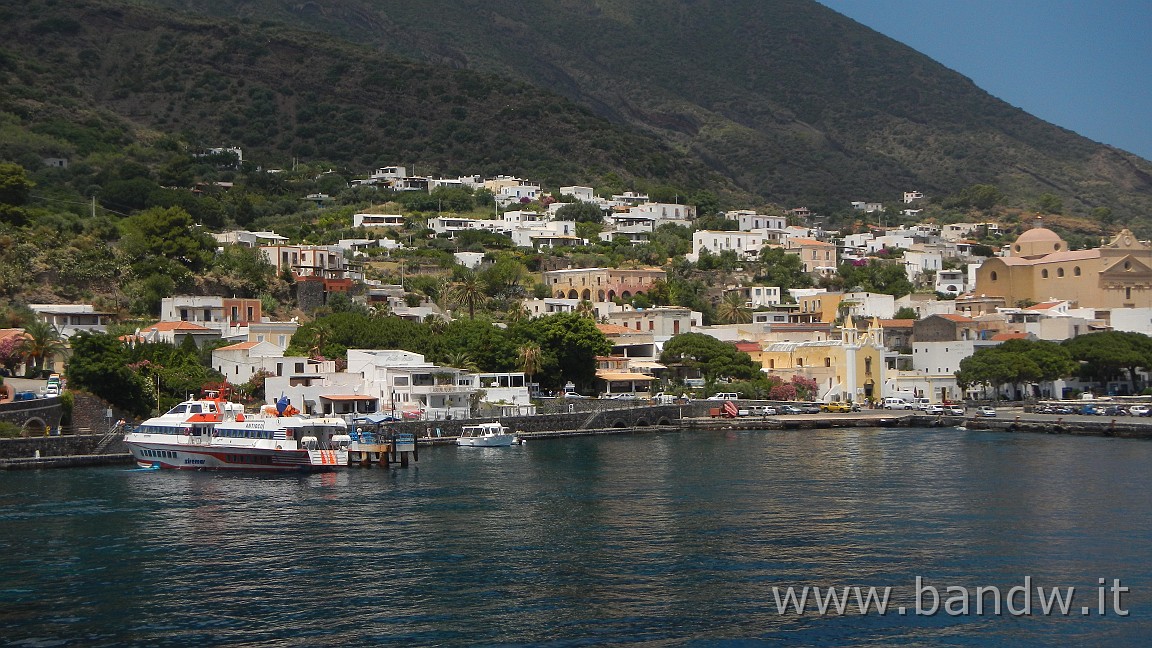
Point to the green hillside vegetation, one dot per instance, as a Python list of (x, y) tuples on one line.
[(791, 100), (98, 76)]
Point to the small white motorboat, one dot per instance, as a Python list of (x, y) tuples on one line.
[(486, 435)]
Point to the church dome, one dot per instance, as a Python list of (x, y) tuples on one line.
[(1038, 241)]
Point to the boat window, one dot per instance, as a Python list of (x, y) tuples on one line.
[(179, 409), (195, 409)]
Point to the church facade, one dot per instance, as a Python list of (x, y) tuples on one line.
[(1041, 268)]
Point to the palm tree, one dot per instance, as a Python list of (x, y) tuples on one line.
[(530, 357), (41, 341), (585, 309), (469, 292), (733, 309), (461, 360)]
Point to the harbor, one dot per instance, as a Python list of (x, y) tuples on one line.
[(397, 443)]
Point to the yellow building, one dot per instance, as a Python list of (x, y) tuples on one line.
[(849, 369), (1040, 268)]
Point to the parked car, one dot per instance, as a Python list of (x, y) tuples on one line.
[(934, 410), (724, 396), (836, 407), (921, 403), (895, 403), (1140, 410), (956, 410), (623, 396), (791, 409), (810, 408), (761, 410), (986, 411)]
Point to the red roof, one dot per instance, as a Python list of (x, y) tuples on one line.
[(897, 323), (613, 329), (748, 347), (1045, 305), (239, 346), (951, 317), (1001, 337)]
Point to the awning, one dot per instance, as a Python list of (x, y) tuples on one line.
[(646, 364), (347, 397), (616, 376)]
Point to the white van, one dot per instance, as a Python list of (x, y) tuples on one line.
[(895, 403), (724, 396), (921, 403)]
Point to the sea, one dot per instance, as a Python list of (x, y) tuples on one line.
[(677, 538)]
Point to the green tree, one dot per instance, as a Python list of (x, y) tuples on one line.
[(570, 345), (783, 270), (1050, 204), (15, 187), (733, 309), (906, 312), (580, 212), (165, 234), (100, 365), (714, 359), (242, 271), (41, 341), (529, 357), (469, 292), (884, 277), (1108, 355)]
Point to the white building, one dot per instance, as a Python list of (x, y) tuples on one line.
[(951, 282), (404, 381), (746, 245), (664, 212), (583, 194), (868, 305), (70, 319), (760, 295), (546, 235), (750, 220), (249, 239), (377, 220)]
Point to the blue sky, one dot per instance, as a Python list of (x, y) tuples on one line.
[(1085, 65)]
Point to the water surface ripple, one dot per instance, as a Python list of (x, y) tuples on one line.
[(661, 539)]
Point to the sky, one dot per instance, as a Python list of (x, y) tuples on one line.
[(1085, 65)]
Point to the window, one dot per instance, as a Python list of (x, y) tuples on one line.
[(1059, 272), (400, 381), (827, 362), (1127, 293), (1076, 271), (299, 368), (992, 276), (1043, 274)]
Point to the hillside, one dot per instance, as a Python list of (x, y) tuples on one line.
[(96, 76), (789, 99)]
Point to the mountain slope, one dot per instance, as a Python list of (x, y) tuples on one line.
[(95, 75), (788, 98)]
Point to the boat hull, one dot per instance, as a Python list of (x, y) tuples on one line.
[(198, 457), (493, 441)]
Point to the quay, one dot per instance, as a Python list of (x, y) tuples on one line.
[(92, 450)]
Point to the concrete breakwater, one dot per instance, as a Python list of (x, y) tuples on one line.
[(96, 449)]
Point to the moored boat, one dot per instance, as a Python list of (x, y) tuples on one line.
[(486, 435), (213, 434)]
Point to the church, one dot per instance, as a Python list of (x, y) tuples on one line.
[(1040, 267)]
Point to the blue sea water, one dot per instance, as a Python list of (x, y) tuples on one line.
[(662, 539)]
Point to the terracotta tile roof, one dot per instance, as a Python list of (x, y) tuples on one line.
[(613, 329), (957, 318), (808, 241), (12, 333), (239, 346), (1000, 337), (748, 347), (1044, 306), (897, 323)]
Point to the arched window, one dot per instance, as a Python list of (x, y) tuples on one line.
[(1043, 274), (1076, 271), (1059, 272), (827, 362), (993, 275)]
